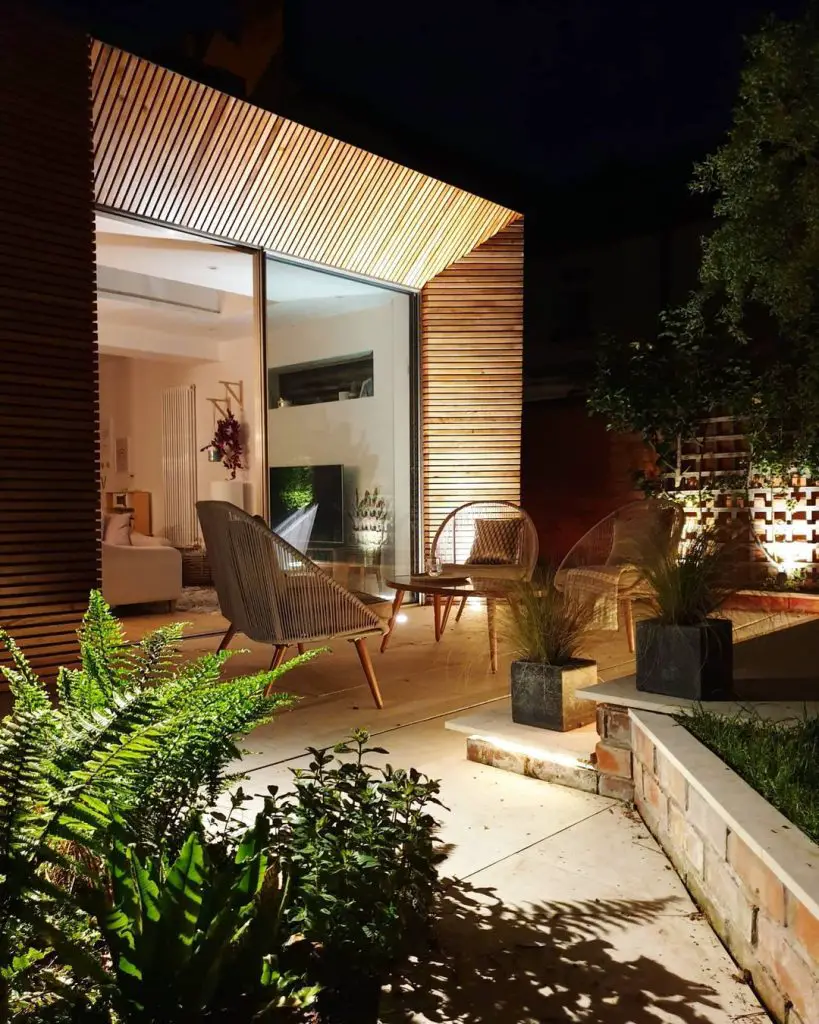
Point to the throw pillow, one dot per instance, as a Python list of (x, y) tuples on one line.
[(497, 542), (118, 528)]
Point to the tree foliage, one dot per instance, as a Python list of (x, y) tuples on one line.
[(747, 341)]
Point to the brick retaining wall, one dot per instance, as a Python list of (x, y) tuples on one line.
[(754, 874)]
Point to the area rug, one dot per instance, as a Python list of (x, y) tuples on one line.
[(198, 600)]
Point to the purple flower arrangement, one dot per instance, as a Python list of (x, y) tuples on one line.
[(227, 441)]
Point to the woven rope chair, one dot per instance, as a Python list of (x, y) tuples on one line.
[(595, 550), (455, 538), (276, 595)]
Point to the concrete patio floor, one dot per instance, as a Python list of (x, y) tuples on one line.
[(563, 908)]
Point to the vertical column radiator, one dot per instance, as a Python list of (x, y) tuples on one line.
[(179, 450)]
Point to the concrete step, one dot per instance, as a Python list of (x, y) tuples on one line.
[(493, 739)]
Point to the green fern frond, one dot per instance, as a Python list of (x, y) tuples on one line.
[(157, 654), (105, 656), (23, 781), (28, 689)]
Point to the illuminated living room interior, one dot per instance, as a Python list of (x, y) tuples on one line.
[(321, 393)]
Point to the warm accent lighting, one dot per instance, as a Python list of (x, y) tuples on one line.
[(561, 757)]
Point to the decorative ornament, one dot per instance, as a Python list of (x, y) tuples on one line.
[(226, 445)]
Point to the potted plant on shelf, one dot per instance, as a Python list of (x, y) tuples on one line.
[(227, 445), (683, 650), (370, 517), (546, 628)]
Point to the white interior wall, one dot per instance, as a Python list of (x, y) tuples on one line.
[(135, 385), (115, 416), (369, 436)]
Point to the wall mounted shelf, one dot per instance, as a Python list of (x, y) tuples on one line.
[(326, 380)]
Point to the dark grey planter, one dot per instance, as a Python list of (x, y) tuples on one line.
[(695, 662), (544, 695)]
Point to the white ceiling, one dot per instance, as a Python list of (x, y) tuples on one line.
[(165, 293)]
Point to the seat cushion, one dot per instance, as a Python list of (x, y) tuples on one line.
[(497, 542)]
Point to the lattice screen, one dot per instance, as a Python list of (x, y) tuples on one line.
[(718, 484)]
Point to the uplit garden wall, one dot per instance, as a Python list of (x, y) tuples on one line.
[(717, 485)]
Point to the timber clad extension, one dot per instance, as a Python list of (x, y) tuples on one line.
[(49, 483), (182, 153), (471, 378), (84, 124)]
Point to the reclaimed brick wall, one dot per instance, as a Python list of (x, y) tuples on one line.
[(613, 753), (770, 933)]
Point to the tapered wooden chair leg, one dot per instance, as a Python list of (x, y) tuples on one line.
[(461, 608), (369, 671), (279, 652), (447, 610), (229, 635)]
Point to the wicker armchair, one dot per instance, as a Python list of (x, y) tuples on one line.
[(601, 563), (461, 534), (274, 594)]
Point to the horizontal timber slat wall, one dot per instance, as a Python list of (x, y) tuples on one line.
[(180, 152), (471, 378), (49, 485)]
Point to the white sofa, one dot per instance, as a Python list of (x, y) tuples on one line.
[(146, 571)]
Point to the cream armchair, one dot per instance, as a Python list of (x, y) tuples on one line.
[(146, 571)]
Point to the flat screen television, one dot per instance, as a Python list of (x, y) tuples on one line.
[(293, 488)]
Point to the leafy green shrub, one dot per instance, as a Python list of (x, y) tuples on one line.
[(127, 896), (138, 738), (358, 843), (779, 759)]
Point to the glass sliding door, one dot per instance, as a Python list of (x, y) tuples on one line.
[(338, 423)]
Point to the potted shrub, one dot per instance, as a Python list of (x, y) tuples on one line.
[(683, 650), (546, 627)]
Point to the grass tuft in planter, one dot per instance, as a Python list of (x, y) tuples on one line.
[(683, 650), (779, 759), (546, 628)]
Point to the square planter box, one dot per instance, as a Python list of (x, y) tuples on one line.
[(694, 662), (544, 695)]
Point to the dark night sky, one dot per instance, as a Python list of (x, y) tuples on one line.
[(542, 92), (535, 88), (526, 93)]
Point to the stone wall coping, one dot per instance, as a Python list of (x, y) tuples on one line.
[(624, 692), (784, 848)]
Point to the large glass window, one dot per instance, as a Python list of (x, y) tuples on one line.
[(338, 419)]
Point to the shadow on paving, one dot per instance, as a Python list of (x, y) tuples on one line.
[(554, 963), (781, 665)]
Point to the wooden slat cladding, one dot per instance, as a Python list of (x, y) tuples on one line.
[(177, 151), (49, 484), (471, 378)]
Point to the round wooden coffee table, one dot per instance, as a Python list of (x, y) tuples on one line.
[(444, 590)]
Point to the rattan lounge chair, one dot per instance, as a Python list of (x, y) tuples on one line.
[(601, 564), (274, 594), (488, 539)]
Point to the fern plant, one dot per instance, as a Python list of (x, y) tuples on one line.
[(136, 730), (194, 938)]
